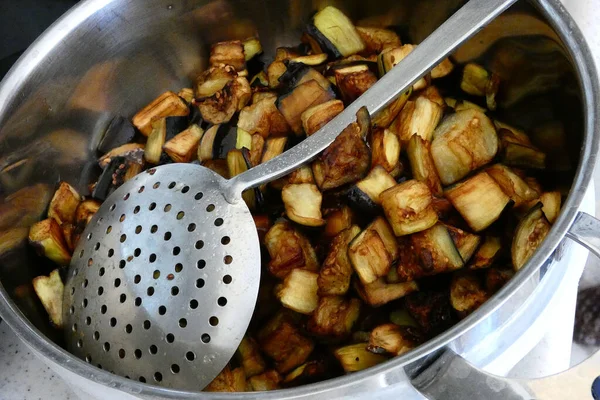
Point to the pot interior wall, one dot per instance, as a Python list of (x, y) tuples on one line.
[(127, 53)]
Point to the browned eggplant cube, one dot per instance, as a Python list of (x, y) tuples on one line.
[(318, 116), (356, 357), (303, 203), (50, 290), (184, 146), (269, 380), (409, 207), (250, 357), (379, 292), (300, 99), (369, 256), (334, 316), (298, 291), (167, 104), (530, 233), (391, 339), (47, 238), (289, 249), (228, 381), (229, 53), (467, 293), (64, 204), (263, 118), (336, 272)]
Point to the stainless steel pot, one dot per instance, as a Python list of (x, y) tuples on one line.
[(109, 57)]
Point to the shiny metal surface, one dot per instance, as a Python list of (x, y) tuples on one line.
[(461, 26), (164, 281), (109, 57)]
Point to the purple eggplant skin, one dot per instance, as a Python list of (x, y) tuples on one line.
[(120, 131), (176, 125)]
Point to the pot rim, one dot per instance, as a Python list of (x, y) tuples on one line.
[(589, 85)]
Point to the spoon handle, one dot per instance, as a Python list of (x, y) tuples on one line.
[(473, 16)]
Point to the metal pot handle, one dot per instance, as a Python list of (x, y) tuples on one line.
[(451, 377)]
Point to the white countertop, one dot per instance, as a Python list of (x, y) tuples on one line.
[(24, 376)]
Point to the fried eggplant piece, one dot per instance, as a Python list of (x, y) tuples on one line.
[(63, 205), (300, 99), (269, 380), (334, 316), (221, 106), (421, 164), (477, 81), (356, 357), (480, 200), (156, 140), (467, 293), (298, 291), (85, 211), (303, 203), (462, 143), (353, 81), (378, 39), (250, 358), (318, 116), (228, 381), (365, 195), (385, 149), (263, 118), (214, 79), (347, 159), (408, 207), (338, 220), (379, 292), (511, 184), (289, 249), (274, 147), (301, 175), (305, 374), (391, 339), (184, 147), (530, 233), (167, 104), (50, 290), (420, 116), (335, 33), (336, 272), (47, 238), (228, 53), (486, 253), (282, 341), (128, 150), (436, 252), (369, 256), (466, 243), (391, 56)]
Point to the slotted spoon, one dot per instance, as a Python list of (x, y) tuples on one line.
[(164, 280)]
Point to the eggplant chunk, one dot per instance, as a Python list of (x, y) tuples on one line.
[(64, 204), (443, 69), (353, 81), (466, 243), (318, 116), (298, 291), (530, 233), (386, 235), (228, 381), (462, 143), (85, 211), (273, 148), (409, 207), (385, 150), (300, 99), (377, 39), (47, 238), (521, 156), (250, 358), (167, 104), (301, 175), (334, 316), (289, 249), (275, 71), (347, 159), (420, 116), (379, 292), (369, 256), (365, 195), (355, 357), (467, 293), (335, 33), (487, 253), (390, 57), (385, 117), (156, 141), (187, 94), (310, 372), (479, 200), (421, 163), (431, 310), (391, 339), (221, 106), (512, 185), (49, 290), (256, 152), (303, 204), (266, 381), (184, 147), (252, 48), (282, 341), (214, 79), (551, 205), (263, 118), (229, 53), (436, 252), (338, 220), (129, 150), (120, 131), (336, 272), (495, 278), (479, 82), (236, 164), (207, 143)]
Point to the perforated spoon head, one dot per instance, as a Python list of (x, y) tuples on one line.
[(164, 280)]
